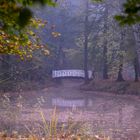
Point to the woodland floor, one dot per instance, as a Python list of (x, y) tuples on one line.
[(115, 115)]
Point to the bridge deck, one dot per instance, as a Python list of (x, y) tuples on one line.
[(70, 73)]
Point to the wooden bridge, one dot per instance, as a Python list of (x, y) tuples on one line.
[(71, 73)]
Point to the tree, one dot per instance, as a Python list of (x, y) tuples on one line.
[(119, 45), (90, 17), (136, 47), (17, 38), (66, 25), (130, 14), (121, 58), (105, 49), (86, 35)]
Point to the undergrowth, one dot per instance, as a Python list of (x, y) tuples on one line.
[(126, 87), (45, 130), (52, 130)]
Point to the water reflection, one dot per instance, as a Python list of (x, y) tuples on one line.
[(63, 102), (112, 114)]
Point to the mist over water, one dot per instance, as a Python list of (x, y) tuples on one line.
[(70, 65)]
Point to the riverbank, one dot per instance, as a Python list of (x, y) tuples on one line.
[(126, 87)]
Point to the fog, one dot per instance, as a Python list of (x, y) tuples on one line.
[(71, 72)]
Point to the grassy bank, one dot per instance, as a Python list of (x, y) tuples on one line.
[(53, 130), (126, 87)]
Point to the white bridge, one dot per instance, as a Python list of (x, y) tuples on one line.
[(70, 73)]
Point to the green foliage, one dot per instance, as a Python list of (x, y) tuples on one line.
[(31, 2), (24, 17), (97, 0), (16, 37), (18, 12), (131, 13), (21, 43)]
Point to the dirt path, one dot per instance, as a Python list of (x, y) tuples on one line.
[(117, 116)]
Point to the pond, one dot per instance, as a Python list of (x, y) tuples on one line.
[(115, 115)]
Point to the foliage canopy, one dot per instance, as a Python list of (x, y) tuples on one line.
[(131, 13), (15, 37)]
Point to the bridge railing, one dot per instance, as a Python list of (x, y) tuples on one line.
[(70, 73)]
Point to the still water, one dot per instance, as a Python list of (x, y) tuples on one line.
[(115, 115)]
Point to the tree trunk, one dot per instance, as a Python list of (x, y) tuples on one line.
[(136, 68), (5, 69), (137, 52), (86, 44), (59, 55), (86, 60), (5, 66), (105, 65), (120, 76)]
